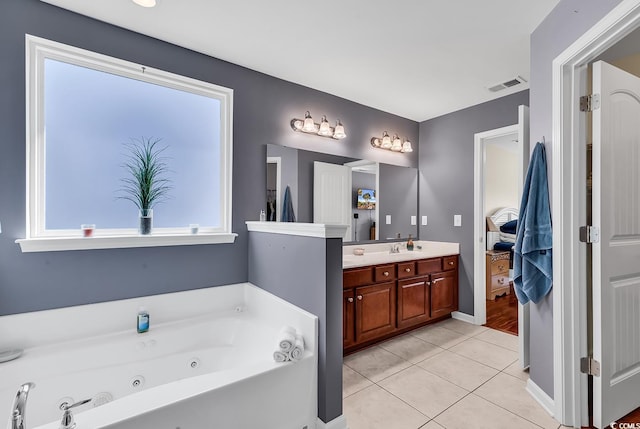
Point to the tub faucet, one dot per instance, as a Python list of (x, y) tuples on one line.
[(395, 248), (67, 418), (20, 406)]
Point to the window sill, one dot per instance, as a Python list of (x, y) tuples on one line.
[(52, 244)]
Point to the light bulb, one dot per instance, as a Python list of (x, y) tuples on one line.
[(397, 144), (309, 126), (145, 3), (406, 147), (339, 131), (386, 141), (325, 129)]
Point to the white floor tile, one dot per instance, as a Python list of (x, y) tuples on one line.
[(515, 370), (494, 356), (459, 370), (411, 348), (461, 327), (424, 391), (445, 338), (352, 382), (509, 392), (375, 408), (499, 338), (477, 413), (376, 363)]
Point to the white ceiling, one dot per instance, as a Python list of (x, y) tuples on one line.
[(415, 58)]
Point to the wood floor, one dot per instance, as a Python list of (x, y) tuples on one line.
[(633, 417), (502, 314)]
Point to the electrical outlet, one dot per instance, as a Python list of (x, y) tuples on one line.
[(413, 220), (424, 221), (457, 220)]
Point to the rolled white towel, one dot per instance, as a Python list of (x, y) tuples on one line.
[(279, 356), (286, 339), (295, 354)]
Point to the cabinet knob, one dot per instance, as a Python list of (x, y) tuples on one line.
[(501, 281), (450, 262), (500, 267), (386, 273), (350, 299), (359, 297), (408, 270), (428, 283)]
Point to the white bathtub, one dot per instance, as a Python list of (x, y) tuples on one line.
[(207, 367)]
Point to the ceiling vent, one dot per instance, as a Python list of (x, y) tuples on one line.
[(508, 84)]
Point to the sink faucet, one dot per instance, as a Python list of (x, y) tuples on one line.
[(20, 405), (395, 248)]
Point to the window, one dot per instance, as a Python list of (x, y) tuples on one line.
[(85, 110)]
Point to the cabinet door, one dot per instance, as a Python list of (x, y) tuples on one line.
[(444, 293), (413, 301), (348, 317), (375, 311)]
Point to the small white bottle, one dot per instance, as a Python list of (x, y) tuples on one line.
[(263, 216), (143, 320)]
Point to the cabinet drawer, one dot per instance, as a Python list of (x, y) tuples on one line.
[(429, 266), (449, 263), (501, 266), (499, 282), (406, 269), (357, 277), (385, 273)]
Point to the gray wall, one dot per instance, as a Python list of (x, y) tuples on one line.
[(38, 281), (564, 25), (446, 177), (399, 191), (308, 273)]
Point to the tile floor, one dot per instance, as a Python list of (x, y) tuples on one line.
[(448, 375)]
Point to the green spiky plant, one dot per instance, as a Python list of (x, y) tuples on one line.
[(146, 183)]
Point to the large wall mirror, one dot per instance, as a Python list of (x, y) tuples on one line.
[(378, 201)]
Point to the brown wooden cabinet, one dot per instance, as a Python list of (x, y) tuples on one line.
[(414, 305), (497, 282), (348, 318), (388, 299), (375, 311)]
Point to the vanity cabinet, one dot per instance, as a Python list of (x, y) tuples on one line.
[(381, 301)]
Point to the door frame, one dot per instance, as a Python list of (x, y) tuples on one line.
[(480, 271), (569, 81)]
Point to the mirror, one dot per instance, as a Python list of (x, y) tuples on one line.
[(396, 193)]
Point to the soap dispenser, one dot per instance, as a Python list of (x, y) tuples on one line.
[(143, 320), (410, 243)]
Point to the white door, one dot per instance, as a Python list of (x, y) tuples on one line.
[(616, 256), (332, 195), (523, 310)]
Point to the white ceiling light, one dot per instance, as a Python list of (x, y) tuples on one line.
[(145, 3)]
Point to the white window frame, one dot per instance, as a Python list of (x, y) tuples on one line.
[(39, 239)]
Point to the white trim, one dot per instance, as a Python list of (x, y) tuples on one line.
[(464, 317), (320, 230), (479, 262), (51, 244), (540, 396), (339, 422), (569, 301), (37, 51)]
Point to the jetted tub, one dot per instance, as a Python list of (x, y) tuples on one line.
[(214, 369)]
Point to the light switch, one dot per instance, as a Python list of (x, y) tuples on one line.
[(424, 221), (414, 220), (457, 220), (388, 219)]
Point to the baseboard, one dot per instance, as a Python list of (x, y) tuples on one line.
[(339, 422), (464, 317), (541, 397)]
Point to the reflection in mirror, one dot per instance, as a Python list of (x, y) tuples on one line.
[(395, 188)]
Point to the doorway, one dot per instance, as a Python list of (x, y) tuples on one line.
[(570, 255)]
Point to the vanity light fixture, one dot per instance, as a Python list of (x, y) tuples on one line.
[(145, 3), (323, 129), (395, 145)]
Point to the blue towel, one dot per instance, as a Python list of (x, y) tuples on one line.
[(532, 262), (287, 207)]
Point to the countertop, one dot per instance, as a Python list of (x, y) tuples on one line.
[(378, 253)]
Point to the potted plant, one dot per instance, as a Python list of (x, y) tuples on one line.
[(146, 184)]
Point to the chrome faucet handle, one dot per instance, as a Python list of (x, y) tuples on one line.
[(20, 406), (67, 418)]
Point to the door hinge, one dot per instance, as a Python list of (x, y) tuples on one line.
[(589, 234), (590, 366), (589, 103)]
